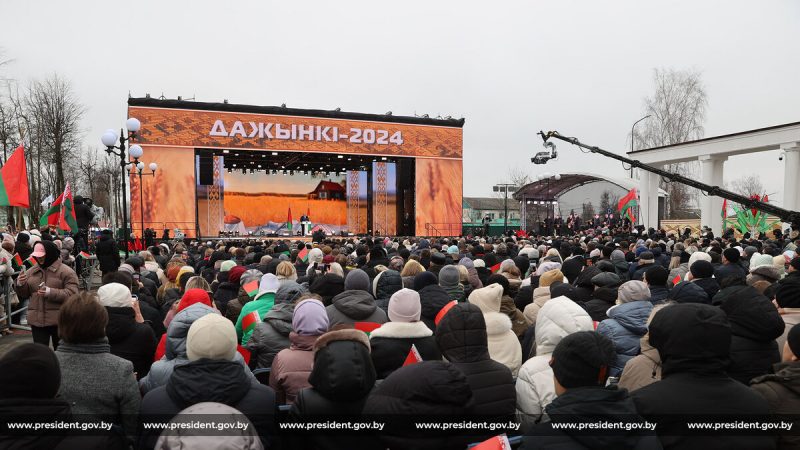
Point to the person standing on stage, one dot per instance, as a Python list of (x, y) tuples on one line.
[(486, 221)]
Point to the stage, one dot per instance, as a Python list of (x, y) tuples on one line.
[(261, 170)]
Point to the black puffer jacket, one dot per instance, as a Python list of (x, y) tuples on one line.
[(129, 340), (524, 297), (432, 297), (426, 389), (385, 284), (341, 380), (709, 285), (694, 342), (392, 342), (755, 324), (207, 380), (461, 336)]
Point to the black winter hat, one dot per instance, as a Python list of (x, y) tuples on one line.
[(795, 262), (702, 269), (656, 275), (23, 238), (732, 255), (29, 371), (438, 258), (582, 359), (563, 289)]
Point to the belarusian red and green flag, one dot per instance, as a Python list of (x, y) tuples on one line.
[(413, 356), (251, 287), (628, 204), (16, 262), (724, 215), (303, 254), (14, 180), (61, 214), (289, 221), (366, 327), (250, 321)]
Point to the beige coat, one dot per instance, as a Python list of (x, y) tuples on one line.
[(643, 369), (63, 283), (540, 296)]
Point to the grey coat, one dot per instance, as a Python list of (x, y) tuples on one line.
[(272, 335), (354, 306), (93, 381), (175, 349)]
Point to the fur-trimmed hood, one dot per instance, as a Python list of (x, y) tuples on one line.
[(401, 330), (341, 335), (497, 323)]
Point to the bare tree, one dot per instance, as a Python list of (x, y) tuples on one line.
[(588, 212), (58, 113), (677, 112), (748, 185)]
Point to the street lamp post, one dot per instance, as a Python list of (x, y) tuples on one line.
[(140, 171), (109, 139), (632, 127), (504, 187)]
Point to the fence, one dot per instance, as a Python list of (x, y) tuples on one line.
[(7, 285)]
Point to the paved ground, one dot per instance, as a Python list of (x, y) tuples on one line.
[(12, 340)]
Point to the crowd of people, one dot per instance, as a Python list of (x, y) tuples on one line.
[(538, 331)]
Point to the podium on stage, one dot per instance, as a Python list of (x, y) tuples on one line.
[(305, 227)]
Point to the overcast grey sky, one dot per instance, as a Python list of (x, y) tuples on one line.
[(509, 68)]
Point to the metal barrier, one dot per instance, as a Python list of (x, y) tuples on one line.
[(443, 229), (8, 282), (86, 277)]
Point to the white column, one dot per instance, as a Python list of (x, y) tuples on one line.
[(712, 169), (791, 185), (648, 198)]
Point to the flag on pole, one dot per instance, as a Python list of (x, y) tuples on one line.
[(251, 288), (627, 204), (724, 215), (289, 220), (84, 254), (14, 180), (61, 214), (676, 280), (250, 321), (413, 356), (303, 254), (16, 262)]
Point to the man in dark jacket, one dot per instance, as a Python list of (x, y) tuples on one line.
[(580, 363), (788, 290), (604, 295), (355, 303), (656, 279), (694, 342), (212, 375), (107, 252), (341, 380), (730, 266), (755, 324), (83, 216), (637, 269), (702, 274), (130, 338), (461, 336)]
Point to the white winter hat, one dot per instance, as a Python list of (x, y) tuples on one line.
[(211, 336), (115, 295)]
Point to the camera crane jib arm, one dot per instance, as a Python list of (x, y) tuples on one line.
[(785, 215)]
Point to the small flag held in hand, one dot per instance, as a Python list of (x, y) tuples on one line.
[(495, 443), (251, 288), (413, 356), (303, 254), (676, 280), (250, 321)]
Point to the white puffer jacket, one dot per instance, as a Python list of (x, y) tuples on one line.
[(558, 318)]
